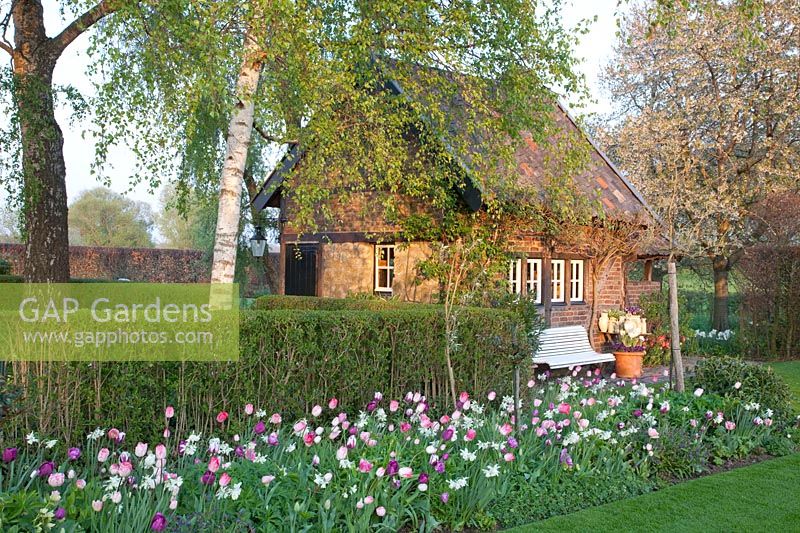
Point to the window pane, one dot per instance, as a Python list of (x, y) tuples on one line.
[(383, 278)]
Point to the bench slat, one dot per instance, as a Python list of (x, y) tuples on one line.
[(567, 346)]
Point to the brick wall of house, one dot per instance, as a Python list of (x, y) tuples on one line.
[(348, 268), (155, 265), (635, 289)]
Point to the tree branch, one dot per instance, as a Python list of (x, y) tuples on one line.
[(4, 46), (79, 25), (271, 138)]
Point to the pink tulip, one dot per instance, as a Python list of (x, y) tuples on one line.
[(405, 427), (380, 511), (266, 480), (299, 427), (470, 435), (333, 403), (222, 416), (113, 433), (730, 425), (405, 472), (492, 395), (224, 479), (537, 402), (316, 411), (97, 505), (341, 453), (506, 429), (308, 439), (508, 457), (394, 405), (583, 423), (56, 479), (364, 466), (249, 409), (213, 464), (167, 433), (463, 397), (161, 452), (652, 433), (125, 469), (140, 450), (103, 454), (80, 483), (275, 418), (173, 504), (169, 412), (564, 408)]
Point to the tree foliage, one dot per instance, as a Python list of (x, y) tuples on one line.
[(101, 217), (709, 117), (325, 85)]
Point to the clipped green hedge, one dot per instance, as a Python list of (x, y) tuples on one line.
[(313, 303), (290, 359)]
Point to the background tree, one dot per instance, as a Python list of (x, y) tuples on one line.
[(186, 220), (709, 102), (101, 217), (38, 175), (9, 224)]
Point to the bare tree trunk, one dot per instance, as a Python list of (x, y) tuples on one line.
[(719, 311), (44, 188), (240, 132), (674, 327)]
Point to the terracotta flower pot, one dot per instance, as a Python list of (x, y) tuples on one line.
[(629, 364)]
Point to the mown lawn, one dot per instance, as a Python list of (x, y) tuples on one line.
[(790, 371), (763, 497)]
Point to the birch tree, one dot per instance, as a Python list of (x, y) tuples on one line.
[(709, 99)]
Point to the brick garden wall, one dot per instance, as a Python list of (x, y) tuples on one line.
[(155, 265)]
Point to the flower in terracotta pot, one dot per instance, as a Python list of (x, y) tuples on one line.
[(630, 351)]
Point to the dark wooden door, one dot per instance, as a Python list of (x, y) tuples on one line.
[(301, 270)]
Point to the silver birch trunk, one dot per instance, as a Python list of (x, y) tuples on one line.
[(240, 130)]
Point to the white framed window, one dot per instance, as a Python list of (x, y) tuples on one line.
[(534, 279), (557, 280), (576, 280), (384, 267), (515, 276)]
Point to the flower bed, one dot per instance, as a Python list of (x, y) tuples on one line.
[(395, 464)]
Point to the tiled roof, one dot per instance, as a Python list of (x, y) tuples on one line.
[(600, 179)]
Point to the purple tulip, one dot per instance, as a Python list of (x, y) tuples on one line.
[(208, 478), (423, 478), (159, 522), (445, 456), (392, 468), (371, 406), (512, 442), (60, 513), (9, 454), (260, 427), (73, 454), (439, 467), (272, 439), (565, 458), (46, 468), (444, 497), (239, 451), (447, 434), (182, 447), (637, 413)]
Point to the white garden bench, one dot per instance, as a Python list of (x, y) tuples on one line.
[(567, 346)]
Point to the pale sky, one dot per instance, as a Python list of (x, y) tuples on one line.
[(595, 50)]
